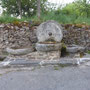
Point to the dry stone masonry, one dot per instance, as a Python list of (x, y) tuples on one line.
[(14, 36), (77, 35), (23, 36), (49, 35)]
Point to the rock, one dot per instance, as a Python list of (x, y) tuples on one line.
[(50, 30), (2, 25), (48, 47), (2, 57), (16, 27), (32, 36), (25, 27)]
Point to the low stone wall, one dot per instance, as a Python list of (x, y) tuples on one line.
[(19, 36), (78, 36), (22, 35)]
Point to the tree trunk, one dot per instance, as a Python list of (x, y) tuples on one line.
[(19, 7), (38, 9)]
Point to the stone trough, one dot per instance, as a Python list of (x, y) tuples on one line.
[(75, 49), (23, 51)]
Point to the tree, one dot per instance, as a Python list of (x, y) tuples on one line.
[(77, 8), (19, 7), (24, 8), (83, 6), (38, 8)]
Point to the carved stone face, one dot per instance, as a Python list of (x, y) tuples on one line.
[(49, 31)]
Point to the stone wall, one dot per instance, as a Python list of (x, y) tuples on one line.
[(12, 35), (78, 36), (53, 55), (19, 36)]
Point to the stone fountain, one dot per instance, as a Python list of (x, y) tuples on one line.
[(49, 44), (48, 47)]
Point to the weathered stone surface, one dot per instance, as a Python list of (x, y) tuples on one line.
[(53, 55), (19, 51), (2, 25), (78, 36), (48, 47), (75, 49), (33, 37), (49, 31), (2, 57), (12, 35)]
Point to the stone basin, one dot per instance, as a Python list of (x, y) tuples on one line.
[(19, 51), (46, 47), (74, 48)]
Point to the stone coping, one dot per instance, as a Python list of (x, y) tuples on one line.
[(65, 61)]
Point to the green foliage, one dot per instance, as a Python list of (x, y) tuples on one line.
[(64, 18), (63, 50), (83, 20), (77, 8), (28, 7), (70, 9), (88, 52), (83, 6), (61, 18), (56, 67), (76, 12), (7, 19)]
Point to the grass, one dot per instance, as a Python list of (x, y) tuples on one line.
[(7, 19), (0, 74), (56, 68), (60, 66), (66, 19), (61, 18), (82, 20), (88, 52)]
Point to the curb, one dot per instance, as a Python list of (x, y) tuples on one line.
[(69, 61), (27, 63)]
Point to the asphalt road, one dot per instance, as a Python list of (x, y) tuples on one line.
[(47, 78)]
